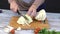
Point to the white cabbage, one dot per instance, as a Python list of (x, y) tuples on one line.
[(41, 15), (24, 21)]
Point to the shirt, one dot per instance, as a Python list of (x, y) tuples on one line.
[(24, 4), (27, 1)]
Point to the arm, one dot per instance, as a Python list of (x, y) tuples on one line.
[(34, 6), (13, 5), (37, 3)]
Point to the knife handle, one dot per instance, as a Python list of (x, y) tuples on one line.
[(18, 12)]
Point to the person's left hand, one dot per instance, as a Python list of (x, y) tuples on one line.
[(13, 6), (32, 11)]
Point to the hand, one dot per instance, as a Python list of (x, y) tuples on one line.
[(14, 6), (32, 11)]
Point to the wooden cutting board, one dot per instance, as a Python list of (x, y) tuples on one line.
[(35, 24)]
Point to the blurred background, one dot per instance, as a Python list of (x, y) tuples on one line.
[(4, 4), (51, 5)]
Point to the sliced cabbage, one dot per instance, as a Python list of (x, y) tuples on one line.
[(8, 28), (19, 28), (41, 15), (24, 21)]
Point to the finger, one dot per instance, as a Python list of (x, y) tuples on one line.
[(11, 7), (14, 9), (33, 14), (29, 12)]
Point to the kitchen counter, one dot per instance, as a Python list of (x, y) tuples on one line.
[(53, 20)]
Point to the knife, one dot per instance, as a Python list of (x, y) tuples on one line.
[(19, 13)]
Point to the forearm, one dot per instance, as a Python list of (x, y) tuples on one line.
[(37, 3), (10, 1)]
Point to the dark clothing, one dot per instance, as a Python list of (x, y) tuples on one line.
[(43, 6), (53, 6), (4, 4), (50, 6)]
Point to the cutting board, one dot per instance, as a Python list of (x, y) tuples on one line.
[(35, 24)]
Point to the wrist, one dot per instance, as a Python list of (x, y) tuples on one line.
[(34, 6)]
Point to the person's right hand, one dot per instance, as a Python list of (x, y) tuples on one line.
[(13, 6)]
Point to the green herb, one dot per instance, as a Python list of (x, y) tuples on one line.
[(45, 31)]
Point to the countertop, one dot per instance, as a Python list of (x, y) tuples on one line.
[(53, 20)]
